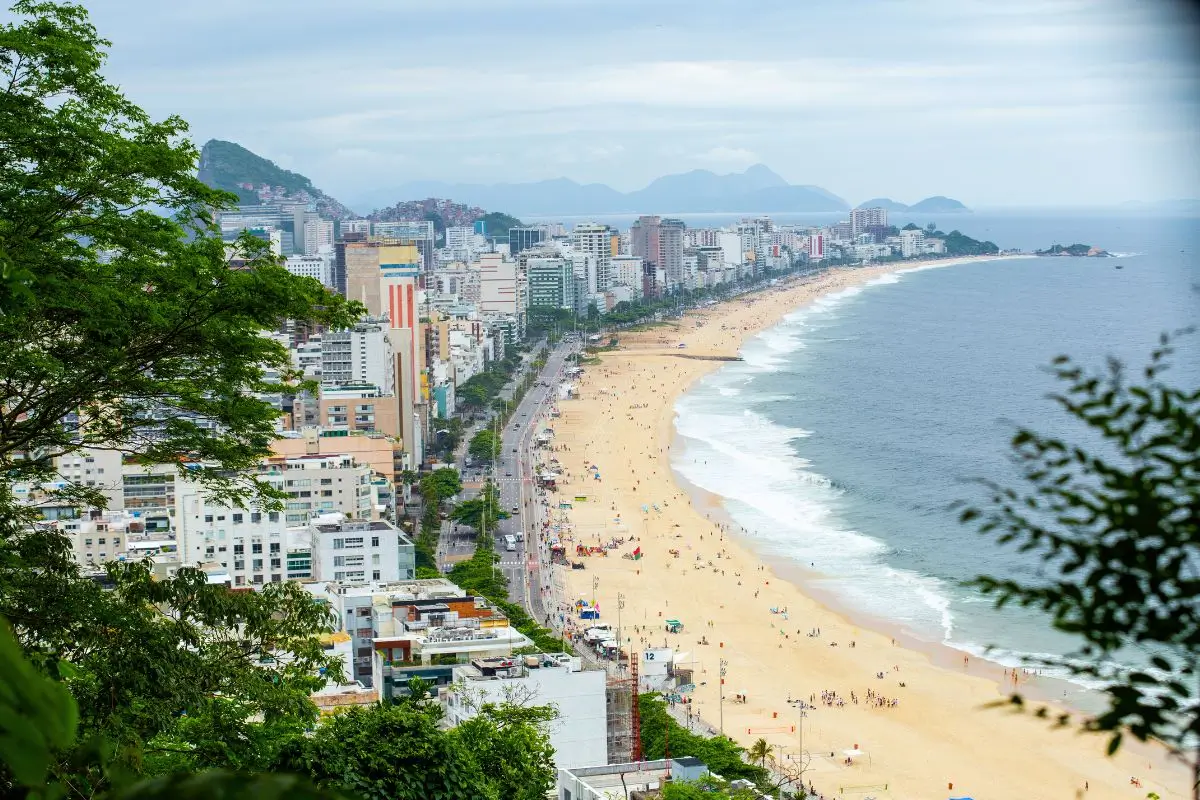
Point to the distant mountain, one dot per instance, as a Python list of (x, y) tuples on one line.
[(883, 202), (930, 205), (255, 180), (939, 205), (698, 191)]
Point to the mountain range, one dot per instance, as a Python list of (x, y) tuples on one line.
[(229, 166), (698, 191), (930, 205)]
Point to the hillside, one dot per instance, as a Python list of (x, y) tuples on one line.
[(256, 180)]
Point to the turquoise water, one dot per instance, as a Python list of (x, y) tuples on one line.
[(842, 439)]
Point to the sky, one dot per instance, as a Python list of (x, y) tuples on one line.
[(993, 102)]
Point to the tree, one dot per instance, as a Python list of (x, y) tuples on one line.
[(401, 752), (440, 485), (759, 752), (720, 754), (1116, 523), (132, 332), (484, 446), (480, 510)]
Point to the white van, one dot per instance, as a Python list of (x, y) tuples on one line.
[(510, 543)]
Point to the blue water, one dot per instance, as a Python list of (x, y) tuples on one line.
[(842, 439)]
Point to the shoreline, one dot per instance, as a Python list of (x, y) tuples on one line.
[(932, 737)]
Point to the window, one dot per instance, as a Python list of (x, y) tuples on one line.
[(255, 516), (102, 540), (208, 518), (273, 516), (237, 519), (327, 481), (339, 576), (240, 580), (339, 561), (238, 549), (256, 547), (327, 493), (257, 564), (375, 575), (117, 541), (274, 547), (87, 542), (239, 564), (364, 633), (357, 541), (276, 578), (276, 563), (375, 560), (338, 544), (374, 541)]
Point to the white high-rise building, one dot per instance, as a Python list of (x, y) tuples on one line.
[(361, 355), (626, 271), (498, 285), (863, 218), (318, 236), (360, 551), (912, 243), (319, 267), (596, 240), (460, 238)]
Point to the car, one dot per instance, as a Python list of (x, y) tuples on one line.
[(514, 449), (516, 509), (507, 474)]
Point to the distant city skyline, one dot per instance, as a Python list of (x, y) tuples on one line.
[(1032, 102)]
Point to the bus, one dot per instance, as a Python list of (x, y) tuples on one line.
[(510, 543)]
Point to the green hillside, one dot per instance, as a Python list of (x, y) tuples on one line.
[(228, 165)]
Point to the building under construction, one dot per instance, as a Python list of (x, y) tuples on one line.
[(624, 721)]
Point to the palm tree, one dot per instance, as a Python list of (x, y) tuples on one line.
[(760, 752)]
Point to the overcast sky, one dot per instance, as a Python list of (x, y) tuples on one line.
[(994, 102)]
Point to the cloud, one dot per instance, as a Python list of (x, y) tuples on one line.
[(865, 98)]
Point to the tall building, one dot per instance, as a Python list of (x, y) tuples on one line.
[(459, 237), (522, 239), (863, 218), (360, 355), (912, 243), (660, 242), (318, 235), (595, 240), (626, 271), (318, 267), (361, 551), (551, 283), (339, 257)]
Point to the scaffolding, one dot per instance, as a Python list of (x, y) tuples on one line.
[(619, 699)]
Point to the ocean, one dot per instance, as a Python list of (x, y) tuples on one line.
[(843, 438)]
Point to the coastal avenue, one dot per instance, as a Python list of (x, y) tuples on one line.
[(514, 478)]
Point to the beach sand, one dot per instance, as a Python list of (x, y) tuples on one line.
[(939, 740)]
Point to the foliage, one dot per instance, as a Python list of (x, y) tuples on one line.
[(447, 435), (1067, 250), (132, 329), (480, 510), (399, 751), (720, 754), (227, 165), (38, 722), (484, 445), (479, 576), (496, 224), (707, 788), (760, 752), (1116, 524), (173, 673)]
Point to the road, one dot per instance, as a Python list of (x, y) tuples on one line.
[(518, 495), (514, 478)]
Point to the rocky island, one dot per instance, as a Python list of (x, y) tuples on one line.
[(1074, 250)]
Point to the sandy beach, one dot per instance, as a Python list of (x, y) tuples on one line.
[(918, 718)]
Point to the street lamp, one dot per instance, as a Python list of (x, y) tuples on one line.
[(721, 695)]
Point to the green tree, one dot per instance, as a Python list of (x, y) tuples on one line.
[(1116, 523), (481, 510), (132, 333), (720, 754), (484, 446), (401, 752), (759, 752)]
